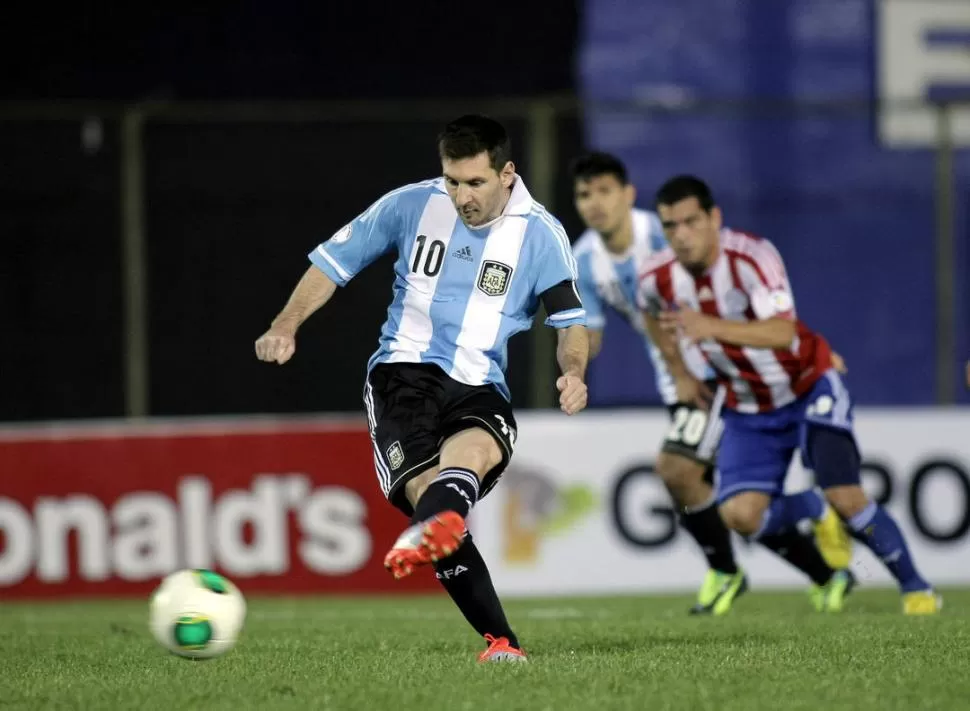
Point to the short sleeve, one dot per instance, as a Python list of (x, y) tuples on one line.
[(556, 266), (359, 243)]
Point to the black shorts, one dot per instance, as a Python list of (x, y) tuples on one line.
[(412, 408), (695, 433)]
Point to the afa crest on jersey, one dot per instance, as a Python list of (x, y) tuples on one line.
[(495, 278)]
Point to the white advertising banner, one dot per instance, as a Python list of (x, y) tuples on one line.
[(580, 510)]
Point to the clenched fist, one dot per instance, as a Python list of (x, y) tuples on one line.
[(572, 396), (277, 344)]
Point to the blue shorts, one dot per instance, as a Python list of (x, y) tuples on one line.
[(756, 450)]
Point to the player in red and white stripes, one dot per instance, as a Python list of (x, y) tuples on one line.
[(729, 292)]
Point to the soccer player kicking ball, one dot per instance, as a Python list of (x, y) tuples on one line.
[(618, 242), (729, 292), (475, 256)]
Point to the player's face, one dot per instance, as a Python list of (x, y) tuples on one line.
[(476, 189), (603, 202), (691, 232)]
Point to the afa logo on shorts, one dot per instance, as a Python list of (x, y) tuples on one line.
[(495, 277), (395, 455)]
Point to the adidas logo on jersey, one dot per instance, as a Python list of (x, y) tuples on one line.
[(705, 294), (465, 253)]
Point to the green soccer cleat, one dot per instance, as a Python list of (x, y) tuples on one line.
[(831, 596), (718, 592)]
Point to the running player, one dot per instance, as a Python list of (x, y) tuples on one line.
[(728, 292), (610, 254), (475, 257)]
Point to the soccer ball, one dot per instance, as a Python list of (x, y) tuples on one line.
[(197, 614)]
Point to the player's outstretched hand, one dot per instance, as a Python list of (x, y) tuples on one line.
[(276, 344), (572, 394)]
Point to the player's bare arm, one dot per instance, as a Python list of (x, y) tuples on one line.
[(573, 356), (772, 333), (312, 291), (689, 388), (595, 341)]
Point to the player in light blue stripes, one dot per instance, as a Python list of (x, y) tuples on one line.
[(476, 255)]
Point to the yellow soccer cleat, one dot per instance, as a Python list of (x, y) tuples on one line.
[(922, 602), (833, 540)]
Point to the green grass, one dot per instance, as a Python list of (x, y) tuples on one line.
[(772, 652)]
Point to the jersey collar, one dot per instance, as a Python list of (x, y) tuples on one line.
[(520, 201)]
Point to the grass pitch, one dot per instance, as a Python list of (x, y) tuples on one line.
[(772, 652)]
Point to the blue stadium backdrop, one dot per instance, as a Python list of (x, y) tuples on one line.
[(853, 219)]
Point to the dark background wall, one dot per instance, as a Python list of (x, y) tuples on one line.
[(236, 50), (233, 207)]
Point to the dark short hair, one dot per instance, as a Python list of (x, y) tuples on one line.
[(683, 187), (472, 134), (592, 165)]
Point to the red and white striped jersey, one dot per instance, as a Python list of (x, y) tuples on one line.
[(748, 282)]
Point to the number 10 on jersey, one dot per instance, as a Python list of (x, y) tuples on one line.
[(432, 259)]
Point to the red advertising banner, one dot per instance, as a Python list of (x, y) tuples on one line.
[(278, 506)]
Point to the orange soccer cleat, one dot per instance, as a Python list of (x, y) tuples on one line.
[(500, 650), (426, 542)]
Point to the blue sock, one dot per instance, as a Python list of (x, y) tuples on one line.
[(787, 510), (874, 527)]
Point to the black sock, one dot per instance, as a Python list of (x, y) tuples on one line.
[(800, 551), (466, 578), (464, 573), (708, 529), (454, 489)]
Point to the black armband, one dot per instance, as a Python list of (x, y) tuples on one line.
[(561, 297)]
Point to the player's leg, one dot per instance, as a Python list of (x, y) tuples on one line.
[(441, 498), (685, 464), (464, 573), (830, 450), (753, 463), (403, 415), (478, 429)]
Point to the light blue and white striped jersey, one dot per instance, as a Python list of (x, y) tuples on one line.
[(610, 280), (460, 293)]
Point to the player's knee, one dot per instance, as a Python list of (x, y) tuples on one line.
[(744, 513), (416, 487), (684, 479), (473, 449), (847, 500)]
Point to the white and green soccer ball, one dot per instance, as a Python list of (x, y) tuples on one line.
[(197, 614)]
